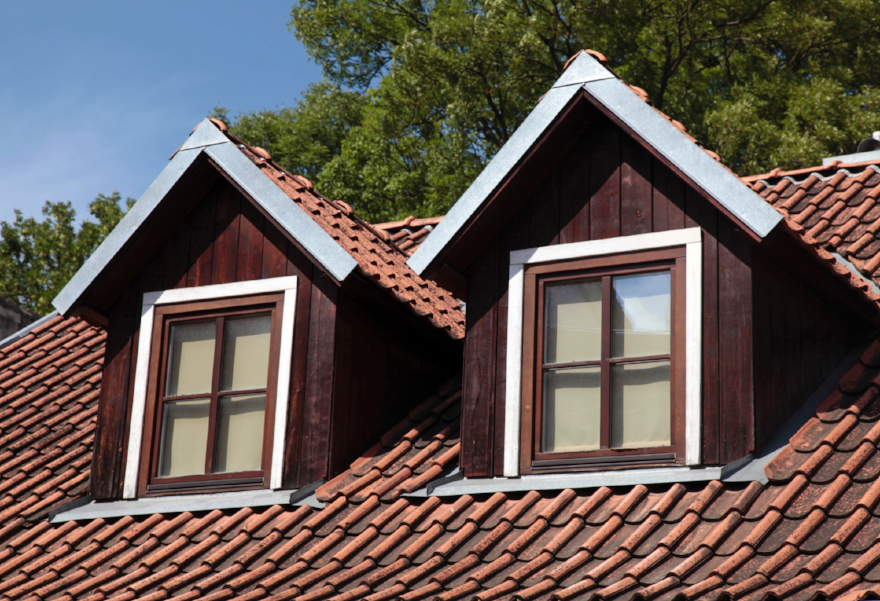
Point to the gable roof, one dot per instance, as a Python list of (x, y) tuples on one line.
[(811, 532), (328, 230), (585, 72)]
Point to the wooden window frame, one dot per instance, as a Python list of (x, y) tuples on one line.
[(532, 459), (205, 299), (691, 240), (150, 483)]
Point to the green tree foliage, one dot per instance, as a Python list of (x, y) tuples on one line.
[(37, 258), (419, 95)]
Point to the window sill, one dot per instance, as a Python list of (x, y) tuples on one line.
[(179, 503), (631, 477)]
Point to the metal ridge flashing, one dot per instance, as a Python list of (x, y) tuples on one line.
[(584, 68), (212, 142), (693, 161)]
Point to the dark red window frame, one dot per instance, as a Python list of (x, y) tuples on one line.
[(532, 460), (149, 483)]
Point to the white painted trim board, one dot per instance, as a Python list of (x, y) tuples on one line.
[(142, 368), (691, 239)]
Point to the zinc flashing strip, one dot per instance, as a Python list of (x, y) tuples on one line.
[(283, 210), (180, 503), (692, 160), (27, 329), (205, 134), (127, 227), (840, 259), (583, 69)]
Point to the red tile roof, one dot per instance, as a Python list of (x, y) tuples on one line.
[(409, 233), (378, 255), (812, 532), (835, 205)]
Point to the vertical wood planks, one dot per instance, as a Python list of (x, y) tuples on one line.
[(605, 181), (226, 232), (479, 370), (249, 264), (636, 210), (201, 240), (735, 348), (319, 379), (573, 175)]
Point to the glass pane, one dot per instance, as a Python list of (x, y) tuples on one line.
[(640, 405), (572, 409), (641, 315), (184, 437), (573, 321), (191, 358), (246, 353), (240, 433)]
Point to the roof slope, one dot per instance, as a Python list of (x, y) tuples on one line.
[(813, 531), (837, 205)]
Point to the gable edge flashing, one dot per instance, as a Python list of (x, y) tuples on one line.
[(493, 175), (131, 222), (257, 185), (704, 171)]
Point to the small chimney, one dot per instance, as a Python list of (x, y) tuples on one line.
[(869, 144)]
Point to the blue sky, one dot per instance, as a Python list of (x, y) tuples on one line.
[(96, 95)]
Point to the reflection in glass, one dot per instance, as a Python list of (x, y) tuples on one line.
[(640, 405), (641, 315), (191, 358), (184, 437), (573, 321), (572, 408), (246, 353), (240, 433)]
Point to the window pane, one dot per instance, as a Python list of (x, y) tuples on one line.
[(240, 433), (191, 358), (184, 437), (640, 405), (641, 315), (573, 321), (571, 409), (246, 353)]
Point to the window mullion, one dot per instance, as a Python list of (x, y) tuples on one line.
[(605, 378), (215, 388)]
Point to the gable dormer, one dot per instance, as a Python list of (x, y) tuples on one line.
[(259, 334), (631, 303)]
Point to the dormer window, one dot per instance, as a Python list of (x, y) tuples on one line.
[(603, 368), (211, 388), (608, 360), (210, 424)]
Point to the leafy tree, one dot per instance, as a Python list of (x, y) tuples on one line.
[(432, 90), (37, 258)]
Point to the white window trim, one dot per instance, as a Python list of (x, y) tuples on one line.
[(142, 367), (691, 239)]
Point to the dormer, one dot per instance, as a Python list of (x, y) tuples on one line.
[(633, 305), (259, 334)]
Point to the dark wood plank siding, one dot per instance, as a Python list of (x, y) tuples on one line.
[(608, 185), (799, 337), (222, 239), (478, 412)]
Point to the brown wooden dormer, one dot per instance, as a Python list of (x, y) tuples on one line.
[(597, 187), (368, 335)]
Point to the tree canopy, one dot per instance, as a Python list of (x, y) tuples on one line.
[(37, 258), (419, 95)]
